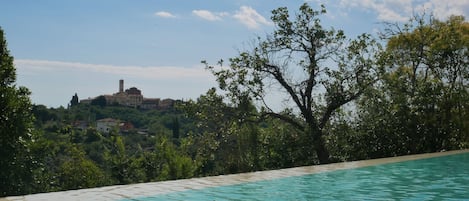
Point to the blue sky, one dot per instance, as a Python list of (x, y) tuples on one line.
[(62, 47)]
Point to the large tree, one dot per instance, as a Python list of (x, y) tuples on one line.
[(318, 71), (421, 102), (16, 124)]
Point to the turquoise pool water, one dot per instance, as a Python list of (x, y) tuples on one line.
[(440, 178)]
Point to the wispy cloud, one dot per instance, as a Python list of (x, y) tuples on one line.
[(250, 17), (208, 15), (402, 10), (164, 14), (246, 15), (153, 72), (387, 10), (444, 9)]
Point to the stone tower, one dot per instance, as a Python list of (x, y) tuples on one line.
[(121, 86)]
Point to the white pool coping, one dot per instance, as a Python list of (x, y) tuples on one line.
[(119, 192)]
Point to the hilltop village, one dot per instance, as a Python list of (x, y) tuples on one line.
[(131, 97)]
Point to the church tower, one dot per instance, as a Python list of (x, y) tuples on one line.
[(121, 86)]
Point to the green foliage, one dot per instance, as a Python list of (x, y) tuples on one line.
[(119, 163), (172, 165), (66, 155), (225, 138), (16, 123), (175, 128), (79, 172), (282, 145), (420, 104)]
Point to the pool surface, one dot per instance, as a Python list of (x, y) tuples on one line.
[(435, 176), (441, 178)]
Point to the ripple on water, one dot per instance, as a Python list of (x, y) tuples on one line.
[(440, 178)]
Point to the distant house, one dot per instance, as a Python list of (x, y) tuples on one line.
[(86, 101), (107, 125), (126, 127), (166, 104), (150, 103)]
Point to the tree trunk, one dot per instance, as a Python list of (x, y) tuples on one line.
[(321, 150)]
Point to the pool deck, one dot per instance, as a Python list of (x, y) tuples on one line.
[(154, 188)]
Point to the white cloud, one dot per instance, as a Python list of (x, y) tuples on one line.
[(152, 72), (246, 15), (164, 14), (208, 15), (402, 10), (250, 17), (443, 9), (387, 10)]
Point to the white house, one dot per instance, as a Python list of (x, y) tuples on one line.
[(107, 125)]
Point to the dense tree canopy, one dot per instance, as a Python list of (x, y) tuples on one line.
[(420, 103)]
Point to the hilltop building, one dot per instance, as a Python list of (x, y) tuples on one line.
[(133, 97), (107, 125)]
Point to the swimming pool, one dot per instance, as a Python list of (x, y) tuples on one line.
[(439, 178), (432, 176)]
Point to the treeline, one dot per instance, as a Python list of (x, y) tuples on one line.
[(67, 156), (345, 99), (197, 138)]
